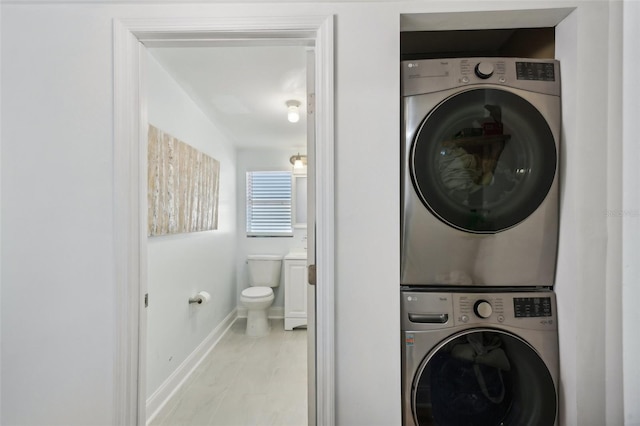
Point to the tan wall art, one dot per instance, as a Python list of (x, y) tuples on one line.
[(183, 186)]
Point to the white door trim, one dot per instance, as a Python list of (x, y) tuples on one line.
[(130, 185)]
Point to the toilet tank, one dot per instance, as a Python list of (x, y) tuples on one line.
[(264, 270)]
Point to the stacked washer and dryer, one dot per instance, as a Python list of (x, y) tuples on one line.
[(480, 151)]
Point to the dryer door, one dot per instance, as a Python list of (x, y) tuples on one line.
[(483, 377), (483, 160)]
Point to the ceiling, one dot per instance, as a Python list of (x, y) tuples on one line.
[(243, 90)]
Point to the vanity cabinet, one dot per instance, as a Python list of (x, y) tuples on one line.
[(295, 292)]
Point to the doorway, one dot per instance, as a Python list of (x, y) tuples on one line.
[(230, 104), (130, 40)]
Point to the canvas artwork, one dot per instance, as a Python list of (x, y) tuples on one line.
[(182, 186)]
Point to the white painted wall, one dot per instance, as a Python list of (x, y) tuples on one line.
[(250, 160), (57, 218), (631, 214), (57, 201), (614, 390), (588, 279), (367, 262), (0, 222), (569, 262), (181, 265)]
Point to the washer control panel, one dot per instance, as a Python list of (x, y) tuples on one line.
[(479, 306), (430, 310), (527, 309)]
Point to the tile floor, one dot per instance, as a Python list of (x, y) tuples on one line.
[(245, 381)]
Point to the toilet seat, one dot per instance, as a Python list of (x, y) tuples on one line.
[(257, 292)]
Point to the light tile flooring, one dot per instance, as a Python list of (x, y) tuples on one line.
[(245, 381)]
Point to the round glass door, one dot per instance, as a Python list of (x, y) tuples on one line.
[(484, 378), (483, 160)]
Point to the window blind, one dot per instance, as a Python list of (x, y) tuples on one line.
[(269, 204)]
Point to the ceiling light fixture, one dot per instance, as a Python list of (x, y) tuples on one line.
[(293, 115), (298, 161)]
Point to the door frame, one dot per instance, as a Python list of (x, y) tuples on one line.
[(130, 38)]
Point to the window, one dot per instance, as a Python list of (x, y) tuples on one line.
[(269, 204)]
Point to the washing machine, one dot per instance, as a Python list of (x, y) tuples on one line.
[(480, 154), (479, 358)]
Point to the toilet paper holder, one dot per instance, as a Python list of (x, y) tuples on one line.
[(200, 298)]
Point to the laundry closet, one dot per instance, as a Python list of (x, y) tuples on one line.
[(480, 148)]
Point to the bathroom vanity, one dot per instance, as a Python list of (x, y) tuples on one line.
[(295, 290)]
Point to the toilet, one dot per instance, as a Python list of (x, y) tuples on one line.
[(264, 273)]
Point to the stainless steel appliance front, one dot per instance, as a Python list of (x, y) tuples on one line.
[(479, 189), (479, 358)]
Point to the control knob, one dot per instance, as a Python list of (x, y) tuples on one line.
[(483, 309), (484, 70)]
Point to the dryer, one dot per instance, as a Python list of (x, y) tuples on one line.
[(480, 151), (479, 358)]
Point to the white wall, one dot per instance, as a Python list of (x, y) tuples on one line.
[(568, 249), (588, 278), (263, 160), (631, 214), (57, 201), (367, 261), (613, 315), (58, 293), (0, 222), (181, 265)]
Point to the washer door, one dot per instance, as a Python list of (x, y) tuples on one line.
[(483, 378), (483, 160)]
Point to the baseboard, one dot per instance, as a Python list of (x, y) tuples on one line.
[(275, 312), (170, 386)]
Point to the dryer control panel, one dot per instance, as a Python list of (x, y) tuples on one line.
[(433, 75)]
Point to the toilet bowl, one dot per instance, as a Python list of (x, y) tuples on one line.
[(264, 273), (257, 300)]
